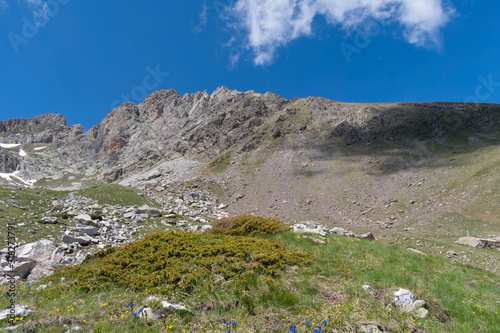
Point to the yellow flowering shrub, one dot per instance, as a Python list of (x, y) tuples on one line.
[(248, 225), (182, 260)]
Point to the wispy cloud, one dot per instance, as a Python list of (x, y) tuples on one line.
[(202, 18), (233, 60), (40, 10), (269, 24)]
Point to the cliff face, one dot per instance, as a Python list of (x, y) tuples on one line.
[(202, 126), (8, 162), (46, 129)]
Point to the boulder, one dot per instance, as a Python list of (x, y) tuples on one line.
[(82, 240), (309, 228), (42, 250), (421, 313), (416, 251), (366, 236), (479, 243), (338, 231), (129, 215), (369, 329), (199, 228), (17, 312), (147, 314), (88, 230), (166, 305), (149, 211), (369, 289), (21, 269), (405, 300), (169, 306), (12, 328), (153, 175), (48, 220), (37, 260), (83, 218)]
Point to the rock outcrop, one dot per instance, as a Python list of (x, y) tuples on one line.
[(480, 243), (8, 162)]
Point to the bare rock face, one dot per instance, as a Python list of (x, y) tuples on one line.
[(8, 162), (46, 129)]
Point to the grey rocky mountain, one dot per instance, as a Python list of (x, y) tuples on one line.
[(201, 126)]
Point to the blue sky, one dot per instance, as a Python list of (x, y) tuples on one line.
[(82, 58)]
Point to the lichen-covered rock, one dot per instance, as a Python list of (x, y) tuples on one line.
[(48, 220), (405, 300)]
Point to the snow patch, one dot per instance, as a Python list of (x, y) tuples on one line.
[(17, 179), (22, 153), (9, 145), (40, 148)]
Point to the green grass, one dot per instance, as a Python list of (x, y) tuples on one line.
[(459, 298), (65, 181), (115, 195), (221, 163)]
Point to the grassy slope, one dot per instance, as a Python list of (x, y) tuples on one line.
[(460, 298), (116, 195)]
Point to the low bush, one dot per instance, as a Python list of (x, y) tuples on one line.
[(181, 261), (248, 225)]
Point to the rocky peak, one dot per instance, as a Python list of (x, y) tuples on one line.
[(36, 124)]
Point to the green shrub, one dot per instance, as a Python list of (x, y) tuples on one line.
[(248, 225), (181, 261)]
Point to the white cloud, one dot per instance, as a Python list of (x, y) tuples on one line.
[(269, 24)]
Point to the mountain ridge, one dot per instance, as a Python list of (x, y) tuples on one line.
[(167, 125)]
